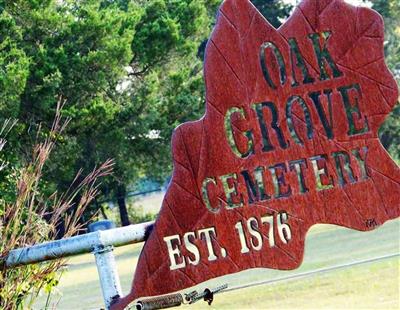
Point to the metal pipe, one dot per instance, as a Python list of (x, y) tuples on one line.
[(77, 245), (108, 275)]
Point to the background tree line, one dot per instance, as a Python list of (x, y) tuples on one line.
[(128, 73)]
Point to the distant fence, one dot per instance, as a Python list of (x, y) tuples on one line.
[(313, 272)]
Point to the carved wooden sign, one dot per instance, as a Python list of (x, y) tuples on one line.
[(289, 139)]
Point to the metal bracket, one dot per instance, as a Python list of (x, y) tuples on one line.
[(207, 295)]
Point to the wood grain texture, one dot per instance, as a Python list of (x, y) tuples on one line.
[(234, 78)]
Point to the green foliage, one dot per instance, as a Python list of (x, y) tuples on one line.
[(390, 10), (14, 66), (136, 213), (274, 11), (157, 33), (69, 50), (167, 26)]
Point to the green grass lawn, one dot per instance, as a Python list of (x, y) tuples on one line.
[(369, 286)]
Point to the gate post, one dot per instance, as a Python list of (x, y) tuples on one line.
[(108, 274)]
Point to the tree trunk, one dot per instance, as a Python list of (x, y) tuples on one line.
[(103, 212), (123, 211), (101, 208)]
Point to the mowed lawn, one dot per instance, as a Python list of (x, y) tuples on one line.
[(369, 286)]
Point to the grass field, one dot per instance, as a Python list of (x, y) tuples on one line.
[(369, 286)]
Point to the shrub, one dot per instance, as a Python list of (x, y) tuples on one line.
[(33, 218)]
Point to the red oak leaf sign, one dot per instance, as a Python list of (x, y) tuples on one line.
[(289, 139)]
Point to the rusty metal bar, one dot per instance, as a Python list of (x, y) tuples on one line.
[(162, 302)]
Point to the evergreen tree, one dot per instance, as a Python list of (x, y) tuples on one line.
[(390, 10)]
